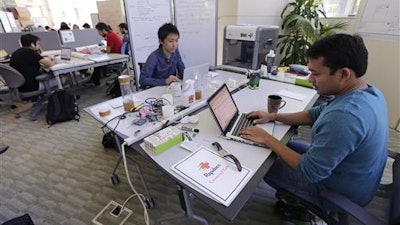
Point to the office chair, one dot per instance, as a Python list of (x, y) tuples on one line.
[(349, 208), (14, 79)]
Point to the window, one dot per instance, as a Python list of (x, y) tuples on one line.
[(341, 8)]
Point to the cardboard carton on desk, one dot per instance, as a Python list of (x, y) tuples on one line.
[(163, 140)]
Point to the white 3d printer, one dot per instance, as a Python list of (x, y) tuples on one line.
[(245, 46)]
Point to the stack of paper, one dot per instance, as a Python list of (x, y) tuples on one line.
[(218, 177)]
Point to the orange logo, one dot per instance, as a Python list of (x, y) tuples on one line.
[(204, 165)]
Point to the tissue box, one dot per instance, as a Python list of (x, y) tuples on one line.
[(163, 140)]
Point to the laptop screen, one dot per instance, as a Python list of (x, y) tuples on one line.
[(201, 71), (66, 53), (223, 107)]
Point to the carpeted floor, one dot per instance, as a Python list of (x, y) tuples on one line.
[(61, 175)]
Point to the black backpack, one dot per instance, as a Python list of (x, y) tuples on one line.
[(113, 89), (62, 106)]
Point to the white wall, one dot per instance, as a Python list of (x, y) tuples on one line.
[(260, 12)]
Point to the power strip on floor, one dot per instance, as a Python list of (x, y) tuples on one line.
[(112, 214)]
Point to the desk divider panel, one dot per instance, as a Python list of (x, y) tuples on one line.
[(84, 37), (48, 40)]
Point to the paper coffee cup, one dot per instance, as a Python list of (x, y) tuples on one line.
[(167, 111), (168, 99)]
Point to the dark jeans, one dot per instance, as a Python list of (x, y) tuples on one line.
[(282, 176), (97, 73)]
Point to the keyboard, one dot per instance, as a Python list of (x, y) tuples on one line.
[(242, 123)]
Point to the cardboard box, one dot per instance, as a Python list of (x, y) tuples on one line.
[(163, 140)]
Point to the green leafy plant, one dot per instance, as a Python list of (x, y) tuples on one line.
[(301, 27)]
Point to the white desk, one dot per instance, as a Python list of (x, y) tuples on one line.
[(258, 159), (77, 64), (126, 129)]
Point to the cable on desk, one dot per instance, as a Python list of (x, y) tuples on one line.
[(120, 117), (141, 197)]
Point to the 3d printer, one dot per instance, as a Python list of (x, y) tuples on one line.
[(245, 46)]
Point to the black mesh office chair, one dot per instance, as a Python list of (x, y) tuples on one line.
[(349, 208), (14, 79)]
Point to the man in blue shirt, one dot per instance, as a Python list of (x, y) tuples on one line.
[(164, 65), (348, 148)]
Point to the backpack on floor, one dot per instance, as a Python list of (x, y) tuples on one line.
[(61, 106), (113, 89)]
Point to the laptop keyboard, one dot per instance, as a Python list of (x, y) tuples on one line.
[(242, 123)]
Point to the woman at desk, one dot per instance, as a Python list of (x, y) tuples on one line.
[(164, 65)]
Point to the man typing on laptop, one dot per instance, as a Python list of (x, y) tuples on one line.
[(348, 148)]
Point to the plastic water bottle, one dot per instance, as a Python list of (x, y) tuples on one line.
[(270, 59), (189, 93)]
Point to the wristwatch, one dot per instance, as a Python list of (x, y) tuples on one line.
[(224, 153)]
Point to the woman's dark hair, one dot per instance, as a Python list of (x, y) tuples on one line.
[(86, 25), (64, 26)]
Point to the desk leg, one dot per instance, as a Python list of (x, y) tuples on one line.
[(115, 180), (186, 205), (57, 76)]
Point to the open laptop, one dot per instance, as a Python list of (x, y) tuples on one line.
[(66, 54), (94, 50), (198, 73), (227, 116)]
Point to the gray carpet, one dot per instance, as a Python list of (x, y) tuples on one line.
[(61, 175)]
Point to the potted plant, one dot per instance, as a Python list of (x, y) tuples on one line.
[(301, 27)]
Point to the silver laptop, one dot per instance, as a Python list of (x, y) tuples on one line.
[(198, 73), (227, 116), (66, 54)]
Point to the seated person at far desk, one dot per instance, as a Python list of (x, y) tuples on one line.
[(114, 43), (349, 133), (164, 65), (28, 61)]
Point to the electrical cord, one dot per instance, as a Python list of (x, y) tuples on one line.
[(140, 196)]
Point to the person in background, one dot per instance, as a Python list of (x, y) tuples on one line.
[(86, 26), (28, 61), (48, 28), (114, 43), (348, 148), (75, 27), (64, 26), (123, 28), (164, 65)]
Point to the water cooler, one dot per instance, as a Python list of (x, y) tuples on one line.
[(245, 46)]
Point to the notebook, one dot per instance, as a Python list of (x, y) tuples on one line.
[(228, 117), (65, 53), (198, 73)]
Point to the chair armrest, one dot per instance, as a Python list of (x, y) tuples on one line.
[(393, 154), (350, 207), (44, 77)]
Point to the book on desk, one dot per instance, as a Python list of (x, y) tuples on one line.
[(215, 176)]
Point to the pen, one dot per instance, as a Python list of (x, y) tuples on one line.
[(165, 124), (189, 129)]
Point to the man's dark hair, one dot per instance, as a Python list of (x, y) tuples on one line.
[(86, 25), (123, 25), (28, 39), (102, 26), (165, 30), (341, 50)]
